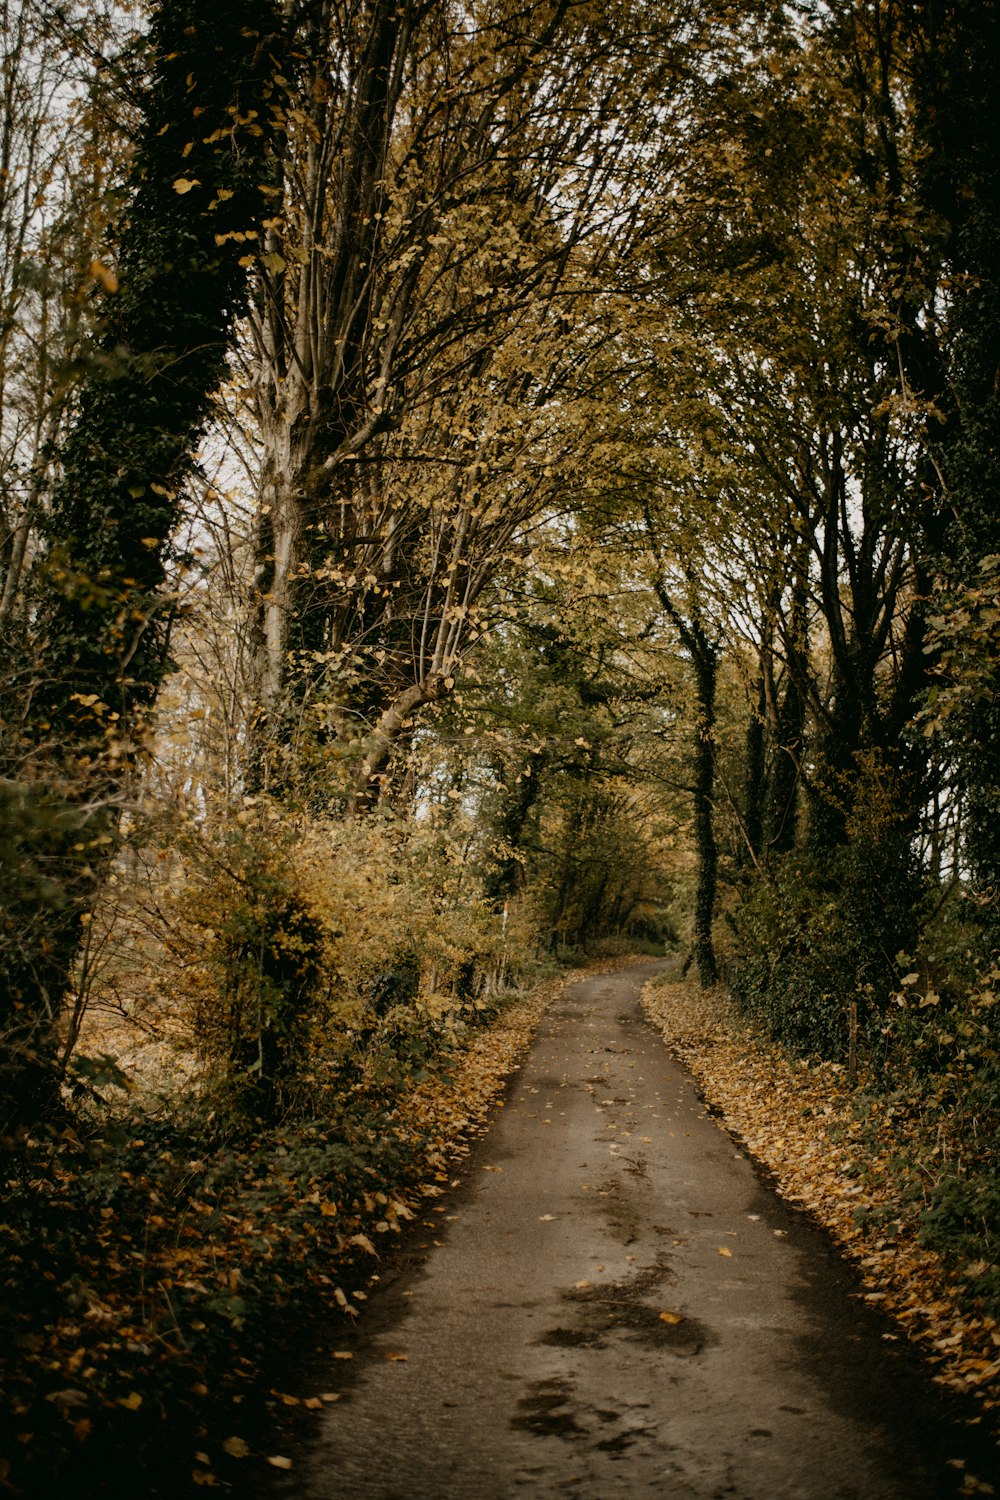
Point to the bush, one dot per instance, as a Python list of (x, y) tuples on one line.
[(821, 932), (962, 1222), (309, 941), (267, 956)]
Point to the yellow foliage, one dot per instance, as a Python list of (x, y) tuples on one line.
[(302, 931)]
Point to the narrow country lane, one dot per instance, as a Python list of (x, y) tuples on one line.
[(620, 1307)]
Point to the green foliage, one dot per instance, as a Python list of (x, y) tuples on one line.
[(196, 196), (962, 1221), (961, 716), (821, 933), (954, 87), (35, 826), (180, 1241), (946, 1045), (569, 829)]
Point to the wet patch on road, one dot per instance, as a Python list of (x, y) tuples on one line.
[(547, 1411), (623, 1308), (617, 1445), (625, 1215)]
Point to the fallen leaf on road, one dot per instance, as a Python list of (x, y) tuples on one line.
[(581, 1284), (727, 1253), (342, 1354), (670, 1317), (546, 1218), (235, 1447), (277, 1462), (396, 1355), (67, 1398)]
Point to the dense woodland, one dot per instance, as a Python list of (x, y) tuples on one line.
[(479, 483)]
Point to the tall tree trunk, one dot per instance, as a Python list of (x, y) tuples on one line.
[(788, 728), (752, 842), (89, 681), (315, 399), (504, 878), (706, 667), (704, 654)]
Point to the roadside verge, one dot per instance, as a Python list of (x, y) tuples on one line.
[(840, 1153)]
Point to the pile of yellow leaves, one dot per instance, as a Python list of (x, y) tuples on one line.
[(800, 1120)]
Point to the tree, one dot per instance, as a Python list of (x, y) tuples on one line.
[(80, 696), (568, 734), (779, 452), (56, 159), (953, 44), (457, 192)]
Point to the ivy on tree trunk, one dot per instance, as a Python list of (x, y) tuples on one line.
[(198, 192)]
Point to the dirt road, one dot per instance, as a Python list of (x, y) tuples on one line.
[(619, 1307)]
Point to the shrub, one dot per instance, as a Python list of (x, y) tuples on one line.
[(310, 940), (822, 932), (962, 1222), (265, 960)]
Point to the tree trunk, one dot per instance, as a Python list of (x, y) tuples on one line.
[(90, 678), (704, 654), (704, 830), (749, 852), (504, 878)]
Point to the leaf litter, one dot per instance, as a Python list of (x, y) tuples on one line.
[(841, 1154), (157, 1304)]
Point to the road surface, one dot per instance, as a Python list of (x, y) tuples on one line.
[(620, 1307)]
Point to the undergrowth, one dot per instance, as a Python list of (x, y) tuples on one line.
[(267, 1080), (149, 1260)]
